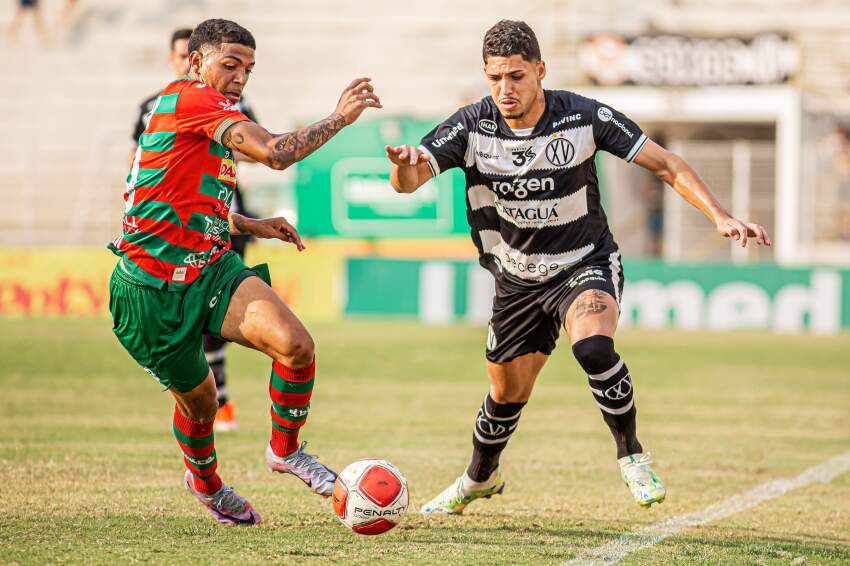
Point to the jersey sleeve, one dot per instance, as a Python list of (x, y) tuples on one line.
[(204, 111), (446, 144), (616, 133)]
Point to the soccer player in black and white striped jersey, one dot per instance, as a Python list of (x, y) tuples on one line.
[(534, 208)]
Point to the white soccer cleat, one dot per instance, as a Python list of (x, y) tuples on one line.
[(646, 487), (454, 499)]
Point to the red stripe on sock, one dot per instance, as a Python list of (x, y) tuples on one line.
[(190, 427), (210, 482), (284, 443), (289, 399), (298, 375), (207, 486)]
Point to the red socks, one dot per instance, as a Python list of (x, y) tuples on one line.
[(197, 442), (290, 390)]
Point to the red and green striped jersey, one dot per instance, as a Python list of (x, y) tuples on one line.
[(180, 188)]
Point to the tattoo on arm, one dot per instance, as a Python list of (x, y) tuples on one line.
[(297, 145), (590, 303)]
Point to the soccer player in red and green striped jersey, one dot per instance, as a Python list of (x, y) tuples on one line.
[(177, 279)]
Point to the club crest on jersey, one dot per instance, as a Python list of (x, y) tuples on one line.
[(196, 259), (487, 126), (560, 151), (227, 170)]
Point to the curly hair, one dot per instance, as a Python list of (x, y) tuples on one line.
[(510, 37), (212, 33)]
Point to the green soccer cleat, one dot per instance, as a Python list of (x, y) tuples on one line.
[(454, 498), (644, 484)]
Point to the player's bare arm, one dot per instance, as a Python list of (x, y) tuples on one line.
[(676, 172), (409, 169), (281, 151), (277, 228)]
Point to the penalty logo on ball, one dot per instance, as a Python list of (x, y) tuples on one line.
[(370, 496)]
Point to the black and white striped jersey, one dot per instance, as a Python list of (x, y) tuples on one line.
[(533, 201)]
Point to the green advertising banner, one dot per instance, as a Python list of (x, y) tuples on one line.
[(656, 295), (343, 190)]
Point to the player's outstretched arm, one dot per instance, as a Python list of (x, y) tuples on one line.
[(676, 172), (277, 228), (409, 169), (281, 151)]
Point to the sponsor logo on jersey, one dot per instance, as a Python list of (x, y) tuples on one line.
[(227, 170), (449, 136), (179, 274), (606, 115), (523, 156), (487, 126), (485, 155), (540, 269), (560, 151), (547, 212), (227, 105), (215, 227), (225, 194), (520, 188), (566, 119)]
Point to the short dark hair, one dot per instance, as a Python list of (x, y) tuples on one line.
[(217, 31), (182, 33), (510, 37)]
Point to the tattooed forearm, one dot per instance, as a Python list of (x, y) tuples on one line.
[(295, 146), (590, 303)]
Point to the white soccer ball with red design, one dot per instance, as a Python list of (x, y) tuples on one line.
[(370, 496)]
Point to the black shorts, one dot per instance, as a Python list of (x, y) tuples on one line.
[(529, 319)]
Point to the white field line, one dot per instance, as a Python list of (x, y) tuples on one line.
[(614, 551)]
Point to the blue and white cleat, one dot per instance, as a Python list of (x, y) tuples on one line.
[(645, 485), (227, 506), (456, 497)]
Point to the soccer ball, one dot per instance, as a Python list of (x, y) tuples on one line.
[(370, 496)]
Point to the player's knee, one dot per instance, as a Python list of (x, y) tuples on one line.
[(203, 410), (298, 350), (510, 394), (596, 354)]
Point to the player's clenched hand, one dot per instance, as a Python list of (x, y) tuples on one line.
[(406, 155), (741, 231), (357, 97), (272, 228)]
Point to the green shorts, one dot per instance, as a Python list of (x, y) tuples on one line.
[(163, 329)]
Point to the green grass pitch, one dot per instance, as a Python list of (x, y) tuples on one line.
[(90, 473)]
